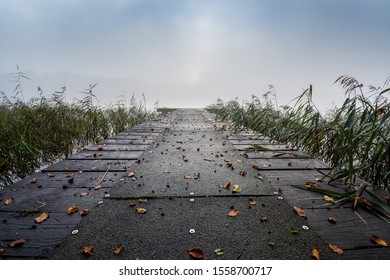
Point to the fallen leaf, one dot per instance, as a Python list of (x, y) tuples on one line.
[(142, 200), (132, 204), (42, 217), (328, 199), (336, 249), (197, 175), (226, 186), (311, 184), (100, 148), (69, 175), (196, 254), (72, 210), (264, 218), (50, 175), (88, 250), (236, 189), (130, 174), (251, 201), (318, 180), (332, 220), (316, 253), (188, 177), (240, 160), (256, 167), (218, 252), (380, 241), (34, 180), (1, 250), (233, 213), (141, 210), (17, 243), (84, 212), (98, 187), (118, 249), (299, 211), (84, 193), (167, 171), (289, 164), (242, 173), (9, 201)]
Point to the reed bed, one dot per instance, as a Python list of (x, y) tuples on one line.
[(45, 129), (353, 139)]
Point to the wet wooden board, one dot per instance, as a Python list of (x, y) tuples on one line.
[(101, 165), (130, 140), (107, 155), (272, 147), (120, 147), (276, 155), (290, 164), (121, 142), (249, 142)]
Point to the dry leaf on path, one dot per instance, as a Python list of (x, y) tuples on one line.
[(84, 212), (311, 184), (196, 254), (242, 173), (256, 167), (141, 210), (42, 217), (71, 210), (98, 187), (328, 199), (1, 250), (118, 249), (88, 250), (251, 201), (84, 193), (316, 253), (332, 220), (143, 200), (188, 177), (299, 211), (130, 174), (233, 213), (17, 243), (132, 204), (264, 219), (336, 249), (380, 241), (236, 189), (9, 201), (218, 252)]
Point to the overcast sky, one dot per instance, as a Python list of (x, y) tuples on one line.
[(187, 53)]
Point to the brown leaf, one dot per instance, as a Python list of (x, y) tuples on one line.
[(72, 210), (132, 204), (34, 180), (311, 184), (264, 218), (336, 249), (226, 186), (318, 179), (142, 200), (256, 167), (233, 213), (17, 243), (84, 212), (1, 250), (118, 249), (188, 177), (98, 187), (9, 201), (42, 217), (289, 164), (380, 241), (84, 193), (332, 220), (196, 254), (299, 211), (316, 253), (167, 171), (251, 201), (50, 175), (100, 148), (69, 175), (197, 175), (130, 174), (88, 250), (242, 173)]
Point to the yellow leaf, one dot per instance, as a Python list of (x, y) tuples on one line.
[(336, 249), (233, 213), (380, 241), (328, 199), (9, 201), (41, 218), (72, 210), (141, 210), (236, 189), (316, 253), (118, 249), (218, 252)]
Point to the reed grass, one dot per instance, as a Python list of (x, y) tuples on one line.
[(46, 129)]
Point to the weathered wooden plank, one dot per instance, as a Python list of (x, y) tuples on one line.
[(291, 164), (117, 147), (101, 165), (275, 154), (272, 147), (118, 155)]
